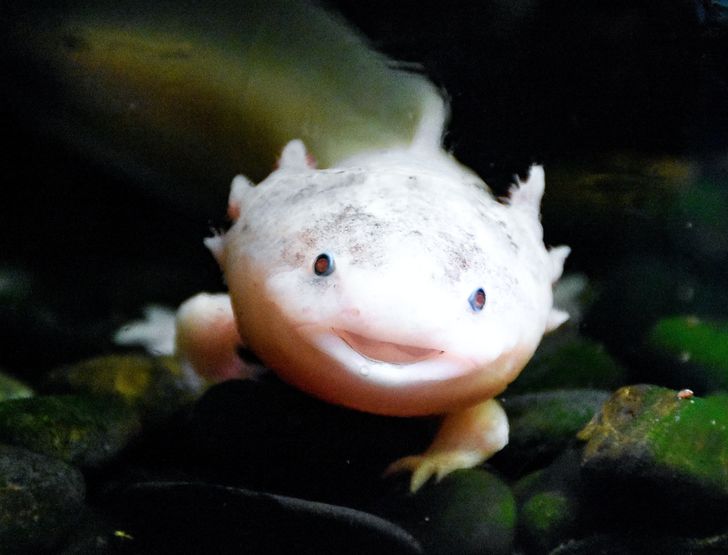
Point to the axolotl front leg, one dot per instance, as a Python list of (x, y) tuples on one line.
[(207, 337), (466, 438)]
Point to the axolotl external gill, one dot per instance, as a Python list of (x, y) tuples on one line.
[(394, 283)]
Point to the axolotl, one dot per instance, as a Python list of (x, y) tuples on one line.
[(394, 282)]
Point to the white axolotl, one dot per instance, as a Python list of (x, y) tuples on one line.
[(393, 283)]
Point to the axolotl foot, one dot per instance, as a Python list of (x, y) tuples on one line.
[(466, 439)]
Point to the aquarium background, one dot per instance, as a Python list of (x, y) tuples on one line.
[(626, 105)]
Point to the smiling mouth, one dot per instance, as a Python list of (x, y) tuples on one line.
[(384, 351)]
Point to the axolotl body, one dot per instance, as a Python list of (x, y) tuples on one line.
[(394, 283)]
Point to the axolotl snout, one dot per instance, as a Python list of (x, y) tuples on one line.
[(393, 283)]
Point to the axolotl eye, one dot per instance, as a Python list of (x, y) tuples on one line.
[(323, 265), (477, 299)]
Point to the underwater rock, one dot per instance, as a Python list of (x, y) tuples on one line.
[(10, 388), (156, 387), (81, 430), (638, 544), (569, 361), (694, 351), (699, 225), (97, 534), (660, 456), (550, 504), (40, 500), (544, 517), (467, 512), (543, 424), (209, 518), (265, 435), (641, 291)]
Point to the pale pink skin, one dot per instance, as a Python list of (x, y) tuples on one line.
[(390, 331)]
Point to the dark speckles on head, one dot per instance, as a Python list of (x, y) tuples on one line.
[(373, 220), (308, 237), (322, 184), (504, 227), (462, 252), (462, 261)]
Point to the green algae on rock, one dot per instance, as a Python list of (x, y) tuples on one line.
[(77, 429), (40, 500), (545, 515), (11, 388), (695, 350), (551, 416), (645, 288), (672, 442), (550, 504), (155, 387), (543, 424), (468, 512), (567, 360)]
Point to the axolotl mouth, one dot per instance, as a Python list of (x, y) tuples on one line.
[(385, 351), (379, 361), (405, 378)]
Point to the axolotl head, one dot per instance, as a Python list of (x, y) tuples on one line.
[(390, 285)]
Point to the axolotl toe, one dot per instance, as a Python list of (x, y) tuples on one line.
[(393, 283)]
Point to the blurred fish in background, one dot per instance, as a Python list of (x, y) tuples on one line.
[(181, 96)]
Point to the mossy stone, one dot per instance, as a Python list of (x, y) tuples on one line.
[(687, 438), (468, 512), (550, 504), (640, 292), (546, 513), (155, 386), (81, 430), (569, 361), (11, 388), (661, 455), (543, 424), (40, 500), (695, 350)]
